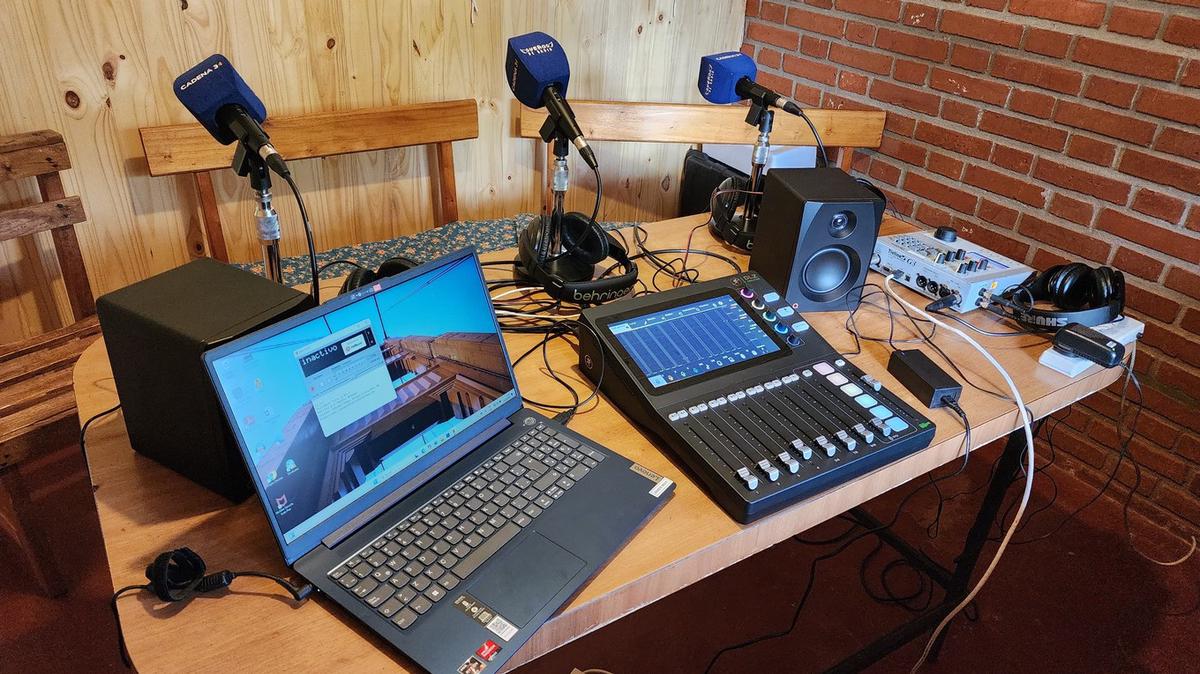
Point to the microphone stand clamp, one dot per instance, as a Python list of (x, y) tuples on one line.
[(247, 163)]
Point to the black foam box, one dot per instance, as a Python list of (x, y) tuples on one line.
[(156, 332)]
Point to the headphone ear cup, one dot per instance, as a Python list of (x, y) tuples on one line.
[(393, 266), (578, 233), (1072, 287), (356, 279)]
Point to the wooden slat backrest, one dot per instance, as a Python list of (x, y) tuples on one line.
[(701, 124), (188, 148), (841, 130), (42, 154)]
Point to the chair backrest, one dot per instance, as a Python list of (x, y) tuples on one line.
[(188, 148), (841, 130), (41, 155)]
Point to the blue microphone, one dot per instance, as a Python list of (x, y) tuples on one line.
[(226, 106), (728, 77), (538, 73)]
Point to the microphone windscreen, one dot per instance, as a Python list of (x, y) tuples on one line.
[(720, 73), (212, 84), (534, 62)]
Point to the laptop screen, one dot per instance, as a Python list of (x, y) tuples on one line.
[(337, 407)]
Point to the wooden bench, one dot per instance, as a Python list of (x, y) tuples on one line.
[(37, 402), (842, 131), (189, 149)]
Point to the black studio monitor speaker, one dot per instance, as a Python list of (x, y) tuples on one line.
[(156, 331), (816, 234)]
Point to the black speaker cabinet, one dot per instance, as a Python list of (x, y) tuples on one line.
[(816, 234), (155, 332)]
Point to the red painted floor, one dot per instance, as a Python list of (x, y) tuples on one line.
[(1079, 601)]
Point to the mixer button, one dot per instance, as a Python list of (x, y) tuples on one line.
[(792, 378), (865, 401), (823, 368), (805, 450), (786, 311), (808, 373), (837, 379), (839, 362), (825, 444), (694, 409), (882, 427), (747, 477), (897, 424), (770, 471), (800, 326), (722, 400), (793, 465), (850, 442), (673, 416), (881, 412), (864, 433), (774, 383), (771, 297)]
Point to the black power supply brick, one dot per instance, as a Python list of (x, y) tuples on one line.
[(923, 378)]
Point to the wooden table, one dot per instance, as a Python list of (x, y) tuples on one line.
[(146, 508)]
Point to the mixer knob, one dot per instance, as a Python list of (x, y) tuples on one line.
[(780, 328), (748, 478), (946, 234), (826, 445), (758, 304), (850, 442), (793, 465), (960, 254), (805, 450), (983, 264), (747, 293), (864, 433), (793, 340), (882, 427), (769, 316), (771, 472), (972, 265)]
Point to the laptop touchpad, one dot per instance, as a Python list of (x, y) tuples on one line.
[(519, 583)]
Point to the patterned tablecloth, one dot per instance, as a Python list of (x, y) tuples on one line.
[(484, 235)]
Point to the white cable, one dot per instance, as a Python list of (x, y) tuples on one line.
[(1012, 528), (544, 317), (514, 291)]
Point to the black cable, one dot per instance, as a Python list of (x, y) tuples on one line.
[(820, 145), (575, 246), (327, 265), (86, 424), (308, 235)]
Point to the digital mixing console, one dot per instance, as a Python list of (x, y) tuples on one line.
[(757, 404)]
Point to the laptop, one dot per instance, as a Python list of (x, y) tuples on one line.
[(401, 476)]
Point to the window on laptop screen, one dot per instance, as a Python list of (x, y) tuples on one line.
[(330, 408)]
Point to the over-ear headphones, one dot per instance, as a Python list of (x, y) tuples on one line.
[(362, 276), (725, 222), (1082, 294), (567, 276)]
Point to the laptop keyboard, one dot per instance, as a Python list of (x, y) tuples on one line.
[(408, 569)]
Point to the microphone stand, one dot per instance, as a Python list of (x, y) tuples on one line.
[(763, 118), (247, 163)]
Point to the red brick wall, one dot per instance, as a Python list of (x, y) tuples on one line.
[(1047, 130)]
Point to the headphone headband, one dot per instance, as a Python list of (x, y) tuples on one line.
[(594, 291), (1086, 295)]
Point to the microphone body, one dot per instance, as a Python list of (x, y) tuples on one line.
[(538, 74), (226, 106), (728, 77)]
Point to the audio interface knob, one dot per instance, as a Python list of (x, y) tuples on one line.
[(747, 293), (946, 234)]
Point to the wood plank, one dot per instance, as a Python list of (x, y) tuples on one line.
[(34, 161), (22, 141), (23, 434), (43, 360), (699, 124), (31, 539), (142, 505), (40, 217), (87, 329), (185, 148), (70, 258), (210, 216), (36, 390), (447, 186)]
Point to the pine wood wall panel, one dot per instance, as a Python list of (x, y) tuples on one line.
[(97, 71)]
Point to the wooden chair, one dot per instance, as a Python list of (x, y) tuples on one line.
[(37, 403), (188, 148), (842, 131)]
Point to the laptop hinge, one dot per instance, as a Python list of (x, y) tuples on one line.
[(362, 519)]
